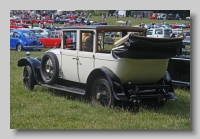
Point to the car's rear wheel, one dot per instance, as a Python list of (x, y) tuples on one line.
[(19, 47), (101, 93), (49, 68), (28, 79)]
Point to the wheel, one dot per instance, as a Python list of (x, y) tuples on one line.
[(19, 47), (101, 93), (49, 68), (28, 79)]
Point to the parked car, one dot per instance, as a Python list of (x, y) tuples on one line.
[(47, 20), (159, 32), (181, 25), (16, 25), (42, 31), (24, 40), (26, 20), (59, 20), (54, 40), (162, 17), (174, 26), (187, 18), (15, 19), (35, 20), (124, 72), (186, 40)]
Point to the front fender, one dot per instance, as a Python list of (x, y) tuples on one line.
[(113, 80), (35, 66)]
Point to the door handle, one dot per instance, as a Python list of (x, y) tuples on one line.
[(76, 58)]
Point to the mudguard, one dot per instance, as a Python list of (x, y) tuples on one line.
[(113, 80), (35, 66)]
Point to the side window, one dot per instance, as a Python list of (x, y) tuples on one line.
[(16, 35), (69, 40), (106, 41), (159, 31), (87, 41), (11, 34), (57, 35), (52, 35)]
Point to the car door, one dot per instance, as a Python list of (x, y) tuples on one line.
[(86, 58), (50, 41), (69, 59)]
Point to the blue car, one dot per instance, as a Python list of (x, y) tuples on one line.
[(24, 40)]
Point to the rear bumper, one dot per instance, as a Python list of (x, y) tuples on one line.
[(181, 83)]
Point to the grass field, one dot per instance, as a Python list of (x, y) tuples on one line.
[(45, 108)]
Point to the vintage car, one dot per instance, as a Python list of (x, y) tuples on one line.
[(24, 40), (132, 69), (54, 40)]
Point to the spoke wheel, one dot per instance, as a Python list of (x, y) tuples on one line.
[(49, 68), (101, 93), (28, 79)]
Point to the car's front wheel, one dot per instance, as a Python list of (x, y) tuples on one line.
[(49, 68), (19, 47), (28, 79), (101, 93)]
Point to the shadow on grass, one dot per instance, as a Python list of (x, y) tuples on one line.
[(179, 107)]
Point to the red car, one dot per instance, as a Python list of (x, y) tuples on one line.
[(26, 20), (174, 26), (54, 40), (15, 25), (153, 16), (35, 21), (70, 21), (47, 20), (15, 20)]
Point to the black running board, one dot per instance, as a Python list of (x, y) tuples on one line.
[(67, 89)]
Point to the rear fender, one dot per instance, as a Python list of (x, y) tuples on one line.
[(113, 80), (35, 66)]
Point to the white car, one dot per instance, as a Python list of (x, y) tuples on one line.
[(187, 18), (42, 31), (132, 69), (159, 32)]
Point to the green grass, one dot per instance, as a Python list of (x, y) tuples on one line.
[(45, 108)]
